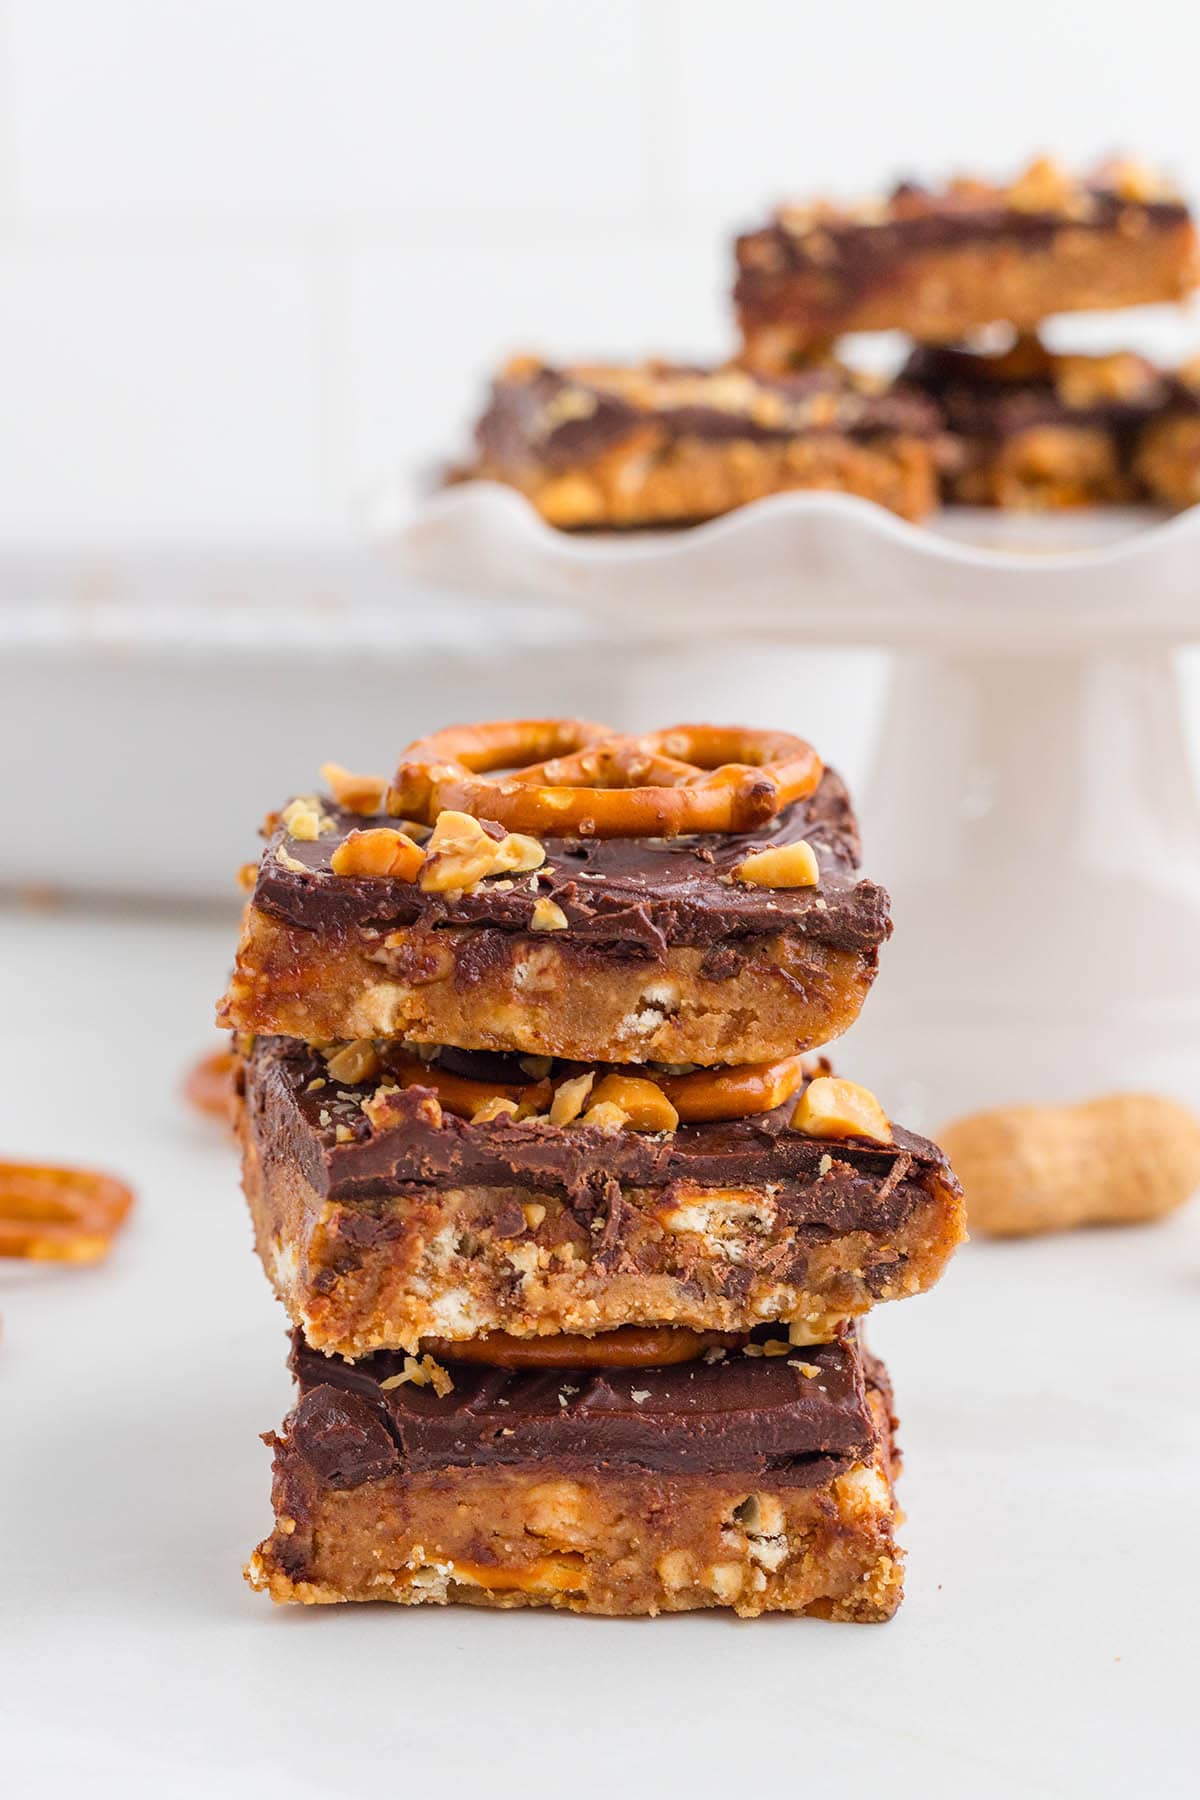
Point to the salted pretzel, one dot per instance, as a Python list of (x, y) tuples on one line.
[(464, 1096), (570, 777), (703, 1095), (59, 1215), (626, 1347)]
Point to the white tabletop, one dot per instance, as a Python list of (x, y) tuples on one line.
[(1046, 1646)]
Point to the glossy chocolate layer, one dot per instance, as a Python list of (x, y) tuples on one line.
[(640, 893), (749, 1415), (558, 418), (835, 1185)]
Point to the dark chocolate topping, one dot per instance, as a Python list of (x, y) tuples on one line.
[(837, 1185), (639, 893), (745, 1415), (558, 418), (915, 219)]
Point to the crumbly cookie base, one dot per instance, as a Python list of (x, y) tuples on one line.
[(1168, 461), (944, 294), (652, 480), (609, 1542), (542, 995), (385, 1272), (1047, 468)]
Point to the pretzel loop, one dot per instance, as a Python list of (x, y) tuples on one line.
[(574, 778)]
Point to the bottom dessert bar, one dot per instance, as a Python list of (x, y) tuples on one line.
[(1168, 455), (1033, 430), (655, 444), (761, 1483)]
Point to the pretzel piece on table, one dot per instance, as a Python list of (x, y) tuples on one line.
[(571, 777), (209, 1086), (59, 1215)]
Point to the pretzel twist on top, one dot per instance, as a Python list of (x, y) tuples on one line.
[(574, 778)]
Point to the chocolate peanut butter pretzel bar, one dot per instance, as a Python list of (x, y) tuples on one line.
[(658, 444), (384, 1218), (1031, 429), (762, 1485), (1167, 459), (939, 264), (693, 946)]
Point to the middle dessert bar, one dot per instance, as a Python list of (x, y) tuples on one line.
[(1032, 428), (386, 1220)]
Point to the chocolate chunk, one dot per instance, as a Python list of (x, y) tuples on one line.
[(340, 1434)]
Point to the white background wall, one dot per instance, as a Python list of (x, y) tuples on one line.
[(254, 254)]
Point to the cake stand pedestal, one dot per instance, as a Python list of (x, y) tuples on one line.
[(1032, 805), (1036, 821)]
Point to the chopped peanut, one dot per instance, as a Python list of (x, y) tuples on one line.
[(422, 1372), (535, 1100), (357, 793), (1045, 186), (780, 866), (832, 1108), (352, 1062), (380, 851), (643, 1102), (547, 915), (461, 853), (517, 854), (302, 818), (606, 1117), (569, 1098), (494, 1109)]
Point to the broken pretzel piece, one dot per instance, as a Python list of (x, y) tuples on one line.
[(210, 1084), (59, 1215)]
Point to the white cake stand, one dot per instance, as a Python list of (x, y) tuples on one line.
[(1032, 805)]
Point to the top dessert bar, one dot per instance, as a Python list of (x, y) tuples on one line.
[(687, 897), (660, 444), (938, 264)]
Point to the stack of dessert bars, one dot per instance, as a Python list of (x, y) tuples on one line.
[(982, 413), (572, 1235)]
